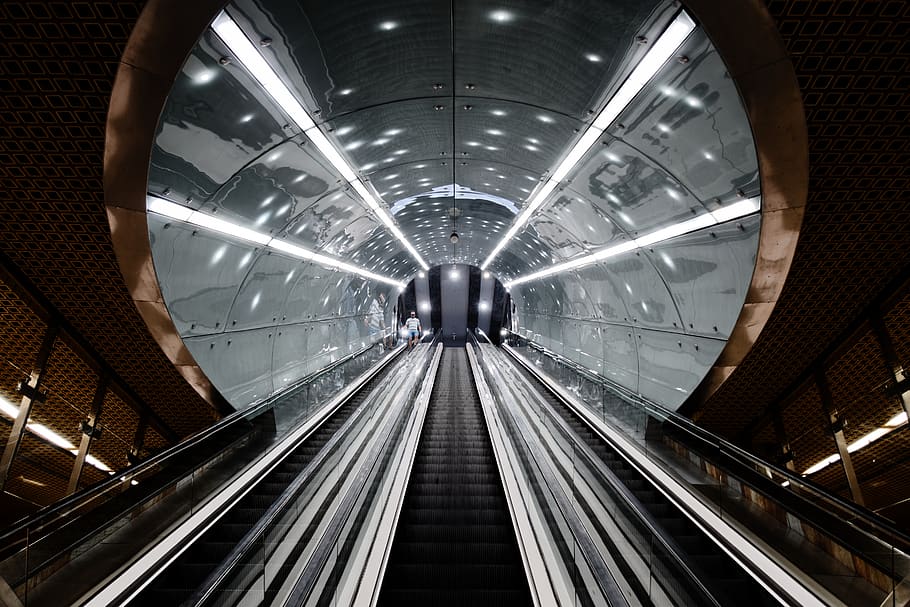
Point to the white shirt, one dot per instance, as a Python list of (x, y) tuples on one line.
[(413, 324)]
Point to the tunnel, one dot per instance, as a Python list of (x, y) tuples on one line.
[(621, 209)]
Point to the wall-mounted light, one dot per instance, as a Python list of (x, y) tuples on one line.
[(183, 214), (250, 57), (678, 30), (733, 211)]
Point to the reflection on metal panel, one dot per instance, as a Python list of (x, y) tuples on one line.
[(454, 296), (654, 320), (485, 304)]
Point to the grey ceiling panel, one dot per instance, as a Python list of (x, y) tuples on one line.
[(547, 54), (691, 121), (395, 133), (216, 120), (635, 192), (535, 138), (342, 57)]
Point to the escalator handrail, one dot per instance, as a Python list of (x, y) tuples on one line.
[(308, 577), (669, 544), (604, 578), (884, 530), (76, 501), (248, 542)]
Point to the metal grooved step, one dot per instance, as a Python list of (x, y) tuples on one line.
[(454, 544)]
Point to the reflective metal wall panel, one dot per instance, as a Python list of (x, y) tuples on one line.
[(199, 274), (238, 363), (707, 272), (671, 366), (455, 145)]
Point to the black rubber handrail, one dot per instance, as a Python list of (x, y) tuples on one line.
[(306, 582), (84, 497), (249, 540), (669, 544), (869, 521)]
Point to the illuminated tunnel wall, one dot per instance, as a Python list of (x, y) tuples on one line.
[(381, 91)]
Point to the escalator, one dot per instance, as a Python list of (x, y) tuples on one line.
[(724, 579), (454, 543), (187, 573)]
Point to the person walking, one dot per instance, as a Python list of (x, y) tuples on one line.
[(413, 326)]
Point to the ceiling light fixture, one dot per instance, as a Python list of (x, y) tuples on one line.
[(889, 426), (181, 213), (250, 57), (40, 430), (678, 30), (706, 220)]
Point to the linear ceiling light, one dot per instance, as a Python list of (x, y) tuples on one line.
[(891, 425), (202, 220), (662, 49), (733, 211), (12, 411), (248, 55)]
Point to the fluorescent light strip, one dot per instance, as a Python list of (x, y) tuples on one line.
[(653, 60), (42, 431), (202, 220), (248, 55), (864, 441), (733, 211)]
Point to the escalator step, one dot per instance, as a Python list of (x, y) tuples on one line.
[(454, 543)]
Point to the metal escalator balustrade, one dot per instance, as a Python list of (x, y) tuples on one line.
[(676, 554), (259, 545), (770, 514), (63, 551), (454, 543)]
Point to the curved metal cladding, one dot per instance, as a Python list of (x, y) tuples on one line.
[(653, 319), (256, 319), (455, 130)]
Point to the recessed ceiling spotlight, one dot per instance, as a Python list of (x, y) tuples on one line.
[(345, 91), (545, 118), (593, 57), (388, 26), (501, 16)]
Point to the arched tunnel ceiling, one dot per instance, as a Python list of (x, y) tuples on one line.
[(491, 106)]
